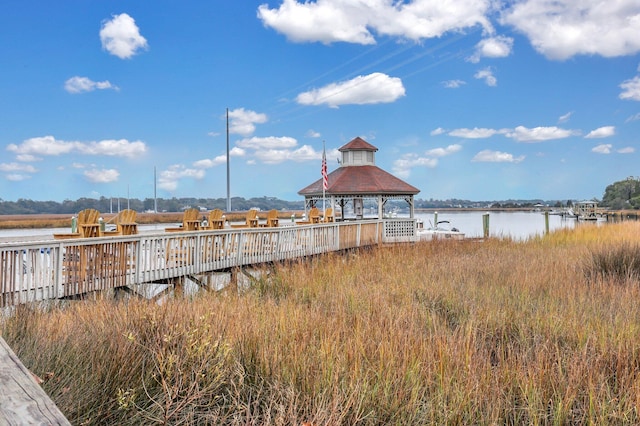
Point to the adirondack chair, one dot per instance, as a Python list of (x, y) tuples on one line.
[(88, 225), (190, 221), (314, 215), (215, 219), (125, 223), (272, 219), (251, 220), (328, 215)]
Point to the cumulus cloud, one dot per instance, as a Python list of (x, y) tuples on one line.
[(539, 134), (630, 89), (17, 167), (275, 156), (475, 133), (121, 37), (438, 131), (453, 84), (402, 167), (271, 142), (488, 77), (17, 177), (329, 21), (488, 156), (101, 175), (626, 150), (208, 163), (243, 122), (605, 148), (83, 84), (312, 134), (50, 146), (492, 47), (602, 132), (560, 29), (169, 179), (374, 88)]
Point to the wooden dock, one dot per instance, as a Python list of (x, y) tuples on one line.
[(55, 269)]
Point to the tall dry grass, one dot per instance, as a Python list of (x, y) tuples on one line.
[(493, 332)]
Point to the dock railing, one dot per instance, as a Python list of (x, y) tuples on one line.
[(54, 269)]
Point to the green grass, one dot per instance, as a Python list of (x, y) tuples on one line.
[(495, 332)]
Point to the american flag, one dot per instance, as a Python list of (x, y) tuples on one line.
[(325, 178)]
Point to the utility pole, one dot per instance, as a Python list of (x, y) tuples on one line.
[(228, 184)]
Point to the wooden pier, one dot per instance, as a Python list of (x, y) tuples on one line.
[(56, 269)]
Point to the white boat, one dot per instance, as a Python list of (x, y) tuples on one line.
[(442, 230)]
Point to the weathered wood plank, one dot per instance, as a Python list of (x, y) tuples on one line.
[(22, 400)]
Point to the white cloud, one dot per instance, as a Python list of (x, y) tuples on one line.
[(169, 179), (17, 167), (402, 167), (50, 146), (493, 47), (441, 152), (121, 37), (275, 156), (630, 89), (565, 118), (438, 131), (330, 21), (626, 150), (84, 84), (605, 148), (560, 29), (634, 117), (488, 156), (312, 134), (16, 177), (243, 122), (369, 89), (602, 132), (453, 84), (475, 133), (271, 142), (488, 77), (539, 134), (101, 175)]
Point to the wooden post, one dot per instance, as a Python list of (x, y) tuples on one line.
[(485, 225), (546, 222)]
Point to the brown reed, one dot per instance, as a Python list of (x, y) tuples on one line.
[(492, 332)]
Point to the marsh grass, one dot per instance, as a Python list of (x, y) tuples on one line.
[(496, 332)]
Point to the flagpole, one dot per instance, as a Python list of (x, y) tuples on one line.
[(324, 176)]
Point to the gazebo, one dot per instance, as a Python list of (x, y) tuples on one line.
[(359, 179)]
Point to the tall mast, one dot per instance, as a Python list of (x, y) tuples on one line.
[(228, 185)]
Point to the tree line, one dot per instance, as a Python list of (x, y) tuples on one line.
[(113, 205)]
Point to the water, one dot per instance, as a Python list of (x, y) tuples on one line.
[(516, 225)]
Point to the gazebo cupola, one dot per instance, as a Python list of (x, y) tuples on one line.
[(358, 153)]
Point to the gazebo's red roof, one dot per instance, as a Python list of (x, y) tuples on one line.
[(361, 180), (358, 144)]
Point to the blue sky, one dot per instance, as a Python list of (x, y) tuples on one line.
[(471, 99)]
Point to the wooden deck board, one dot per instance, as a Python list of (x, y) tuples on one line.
[(22, 400)]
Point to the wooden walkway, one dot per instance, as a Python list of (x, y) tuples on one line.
[(53, 269), (22, 400), (45, 270)]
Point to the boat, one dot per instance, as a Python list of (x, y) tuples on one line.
[(441, 231)]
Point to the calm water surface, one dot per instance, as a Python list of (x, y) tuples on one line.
[(516, 225)]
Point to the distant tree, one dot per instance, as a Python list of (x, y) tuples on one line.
[(619, 195)]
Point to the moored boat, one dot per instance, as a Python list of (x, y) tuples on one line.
[(441, 230)]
